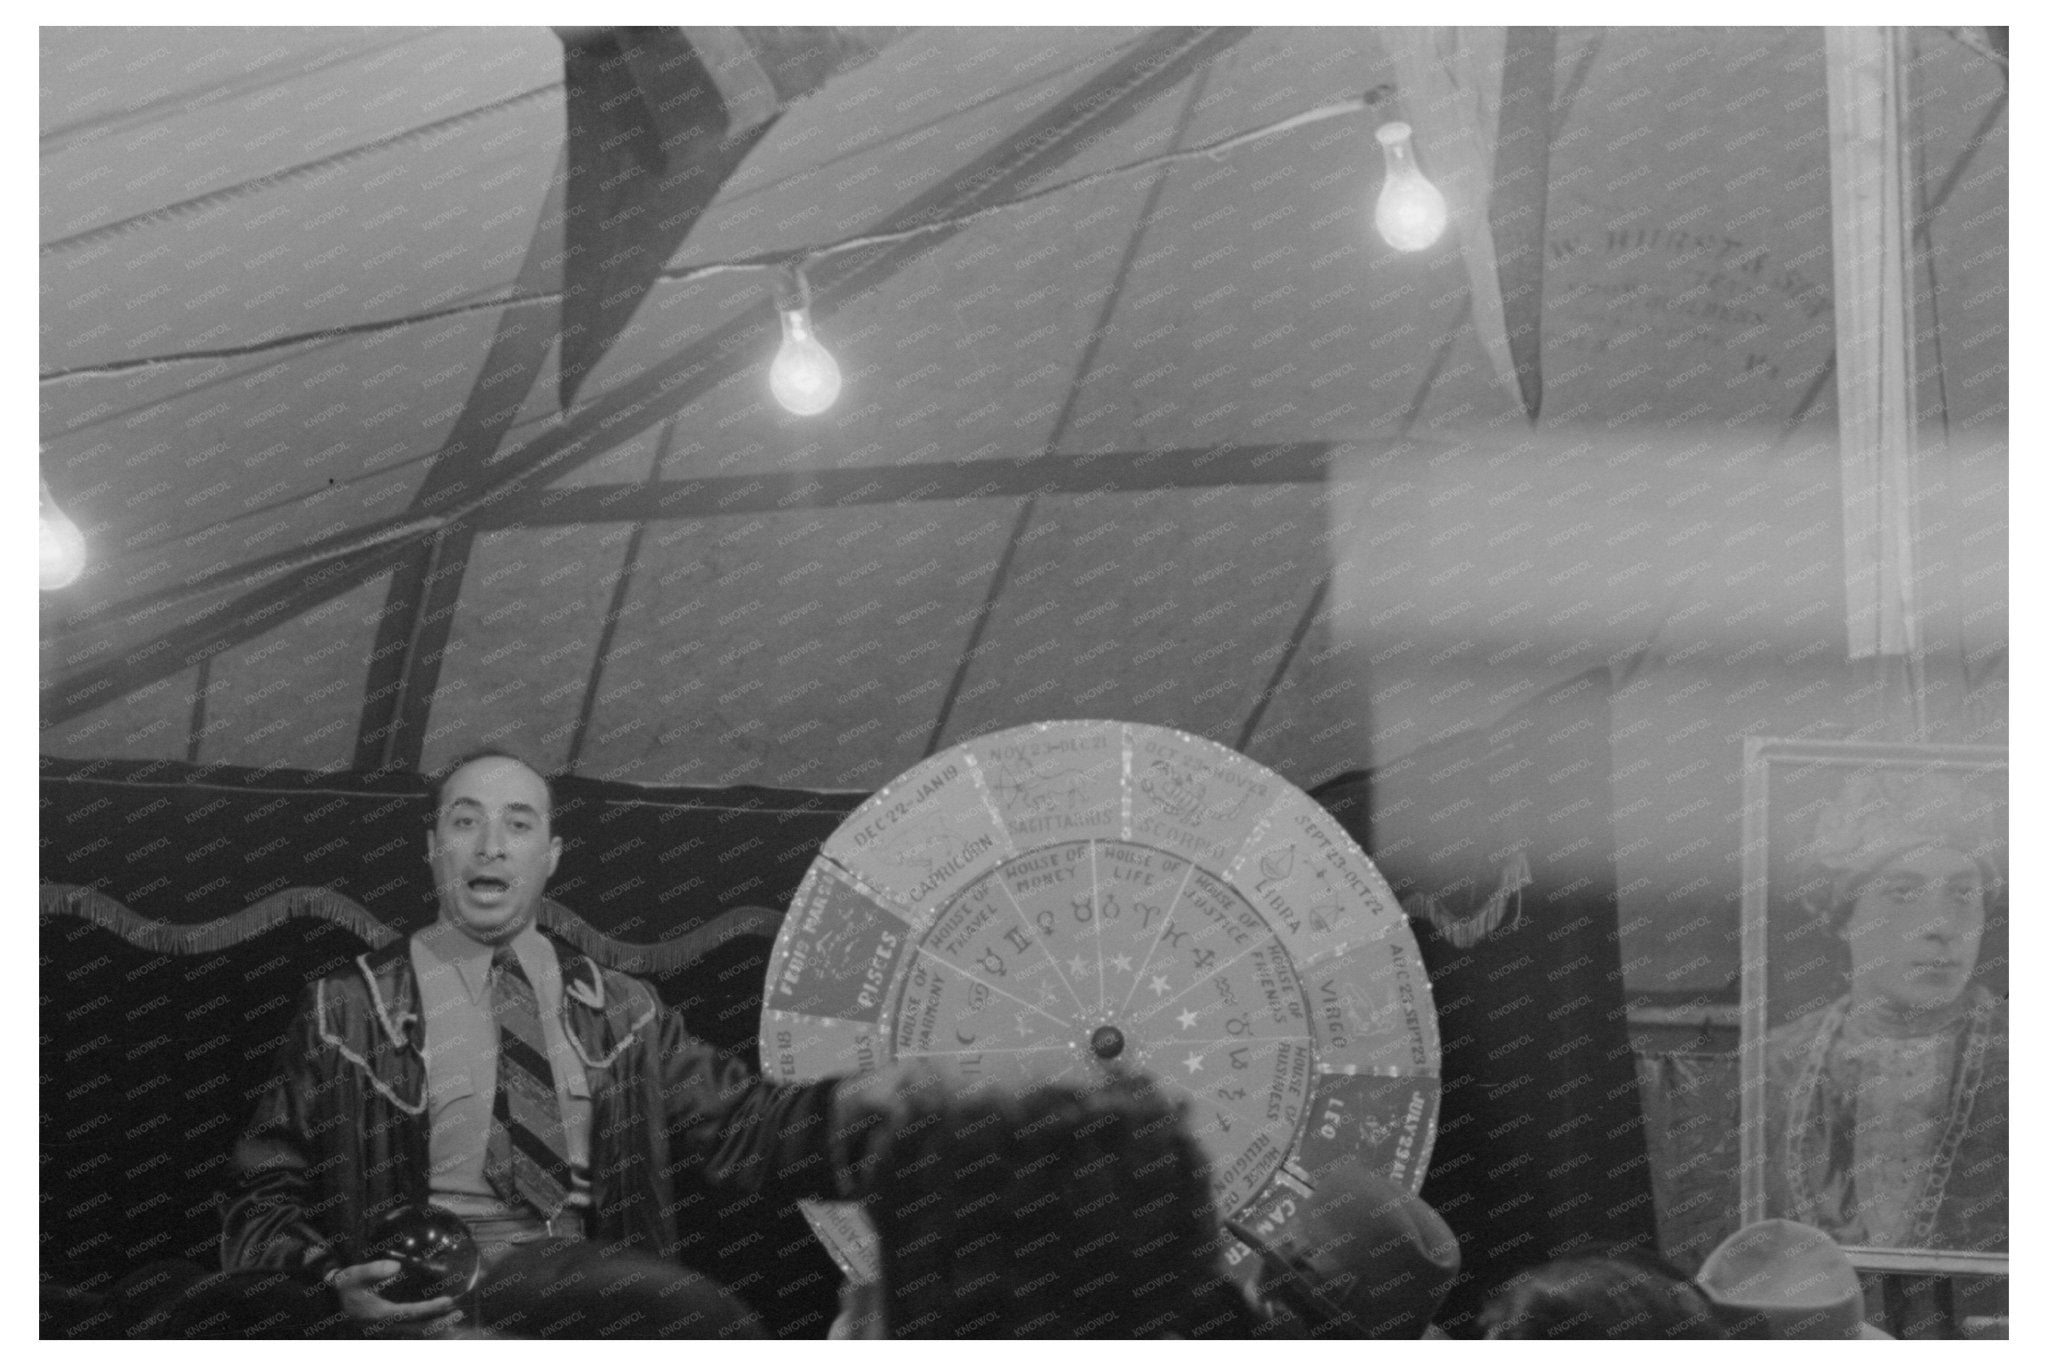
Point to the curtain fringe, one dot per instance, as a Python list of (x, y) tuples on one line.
[(298, 903)]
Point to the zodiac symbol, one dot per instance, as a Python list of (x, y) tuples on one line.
[(1179, 794), (1228, 811), (836, 948), (1322, 907), (1276, 866), (1024, 796), (1007, 789), (1076, 790)]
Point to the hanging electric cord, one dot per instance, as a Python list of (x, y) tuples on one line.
[(346, 481), (293, 174), (119, 367), (768, 261), (571, 448), (286, 563), (144, 108), (229, 193)]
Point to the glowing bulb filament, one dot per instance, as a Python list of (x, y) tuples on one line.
[(1411, 213), (804, 378), (63, 546)]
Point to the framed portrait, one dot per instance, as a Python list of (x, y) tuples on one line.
[(1874, 998)]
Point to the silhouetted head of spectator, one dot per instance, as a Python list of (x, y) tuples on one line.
[(1051, 1213), (1621, 1294), (564, 1288), (1358, 1257), (177, 1299)]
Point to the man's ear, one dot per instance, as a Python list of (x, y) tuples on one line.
[(554, 854), (432, 845)]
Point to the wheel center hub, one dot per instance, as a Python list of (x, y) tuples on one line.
[(1107, 1042)]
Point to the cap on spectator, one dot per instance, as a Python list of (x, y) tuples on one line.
[(1791, 1275), (1359, 1257)]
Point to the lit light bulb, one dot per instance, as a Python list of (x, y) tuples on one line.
[(63, 546), (804, 378), (1411, 213)]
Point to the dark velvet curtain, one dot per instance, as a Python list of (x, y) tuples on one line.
[(1500, 844), (150, 1060)]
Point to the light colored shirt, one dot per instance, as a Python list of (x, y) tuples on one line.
[(462, 1063)]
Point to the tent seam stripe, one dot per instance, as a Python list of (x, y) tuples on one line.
[(1000, 580), (766, 261), (290, 174), (608, 630), (1294, 642), (65, 136), (598, 420), (465, 449)]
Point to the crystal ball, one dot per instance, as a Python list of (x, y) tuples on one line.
[(434, 1250)]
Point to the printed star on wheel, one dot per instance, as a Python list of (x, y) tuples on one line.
[(1122, 962), (1193, 1063), (1187, 1019), (1077, 963), (1159, 987)]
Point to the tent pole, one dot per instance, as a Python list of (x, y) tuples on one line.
[(1874, 344)]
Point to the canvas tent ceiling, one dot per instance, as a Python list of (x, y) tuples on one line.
[(1182, 444)]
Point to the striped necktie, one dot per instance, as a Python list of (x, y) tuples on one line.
[(527, 1158)]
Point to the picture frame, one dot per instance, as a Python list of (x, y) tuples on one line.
[(1873, 1052)]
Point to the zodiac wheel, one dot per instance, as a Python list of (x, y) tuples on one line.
[(1065, 900)]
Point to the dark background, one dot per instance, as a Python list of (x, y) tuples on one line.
[(1540, 1150), (150, 1060)]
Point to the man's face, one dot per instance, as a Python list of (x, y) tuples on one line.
[(1915, 929), (490, 848)]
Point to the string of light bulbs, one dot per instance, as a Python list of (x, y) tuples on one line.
[(1409, 213), (803, 376), (767, 261)]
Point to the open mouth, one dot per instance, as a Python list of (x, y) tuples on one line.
[(486, 888)]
